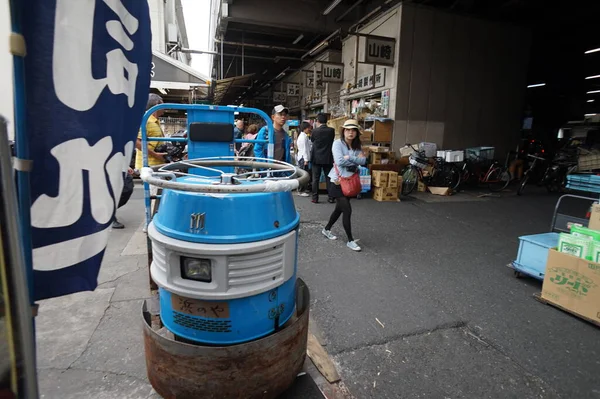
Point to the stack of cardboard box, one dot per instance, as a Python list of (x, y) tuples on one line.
[(386, 185)]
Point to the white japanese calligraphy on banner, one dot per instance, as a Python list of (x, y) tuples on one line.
[(72, 60)]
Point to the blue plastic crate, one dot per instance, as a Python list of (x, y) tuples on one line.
[(584, 182), (533, 254)]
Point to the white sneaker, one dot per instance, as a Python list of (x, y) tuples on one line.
[(304, 194), (353, 246), (328, 234)]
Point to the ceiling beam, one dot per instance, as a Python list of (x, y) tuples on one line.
[(263, 46)]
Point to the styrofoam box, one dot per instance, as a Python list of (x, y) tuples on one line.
[(429, 148), (455, 156), (441, 154)]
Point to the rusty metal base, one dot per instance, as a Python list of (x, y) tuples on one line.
[(264, 368)]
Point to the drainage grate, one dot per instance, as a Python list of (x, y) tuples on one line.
[(202, 324)]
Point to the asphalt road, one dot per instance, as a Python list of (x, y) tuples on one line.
[(429, 308)]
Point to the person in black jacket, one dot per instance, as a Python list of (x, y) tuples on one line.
[(322, 158)]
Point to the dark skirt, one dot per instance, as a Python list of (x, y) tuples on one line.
[(335, 190)]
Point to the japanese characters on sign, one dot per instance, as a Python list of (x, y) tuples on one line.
[(196, 307), (366, 81), (380, 51), (293, 90), (279, 96), (317, 96), (310, 79), (333, 73), (91, 64)]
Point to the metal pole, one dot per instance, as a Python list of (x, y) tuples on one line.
[(221, 57), (356, 61), (243, 53), (18, 284)]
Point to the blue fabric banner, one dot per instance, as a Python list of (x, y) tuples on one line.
[(87, 78)]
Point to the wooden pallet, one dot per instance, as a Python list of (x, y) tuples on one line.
[(538, 297)]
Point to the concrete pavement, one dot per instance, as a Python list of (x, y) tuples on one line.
[(428, 309)]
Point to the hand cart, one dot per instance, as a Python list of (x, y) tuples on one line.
[(533, 249)]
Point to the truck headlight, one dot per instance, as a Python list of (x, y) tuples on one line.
[(196, 269)]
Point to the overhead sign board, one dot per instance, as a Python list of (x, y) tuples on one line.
[(380, 51), (333, 73)]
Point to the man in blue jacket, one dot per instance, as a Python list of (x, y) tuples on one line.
[(283, 142)]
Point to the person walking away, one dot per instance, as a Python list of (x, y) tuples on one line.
[(247, 149), (128, 187), (304, 152), (322, 138), (238, 133), (153, 129), (347, 156), (283, 141)]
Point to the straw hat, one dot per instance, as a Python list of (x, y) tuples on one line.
[(351, 124)]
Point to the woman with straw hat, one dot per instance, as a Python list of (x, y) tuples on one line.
[(347, 156)]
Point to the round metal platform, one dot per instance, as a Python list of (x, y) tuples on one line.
[(258, 369)]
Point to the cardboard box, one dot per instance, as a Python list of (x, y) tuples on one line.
[(376, 148), (383, 178), (573, 284), (379, 178), (382, 157), (392, 179), (383, 194), (440, 190), (595, 218)]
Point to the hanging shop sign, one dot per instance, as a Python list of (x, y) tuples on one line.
[(366, 81), (293, 102), (385, 102), (380, 51), (310, 79), (279, 97), (333, 73), (293, 90), (317, 96)]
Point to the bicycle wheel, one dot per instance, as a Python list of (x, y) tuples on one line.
[(452, 175), (498, 178), (465, 173), (410, 178), (521, 188)]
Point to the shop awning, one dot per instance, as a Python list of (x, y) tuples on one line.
[(228, 90), (171, 74)]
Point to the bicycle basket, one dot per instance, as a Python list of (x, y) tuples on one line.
[(418, 161)]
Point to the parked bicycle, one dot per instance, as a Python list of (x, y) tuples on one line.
[(441, 173), (553, 176), (496, 176)]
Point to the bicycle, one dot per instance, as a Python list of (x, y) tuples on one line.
[(531, 171), (497, 177), (443, 174)]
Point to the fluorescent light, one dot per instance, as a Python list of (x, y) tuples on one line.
[(536, 85), (298, 39), (593, 91), (592, 50), (162, 91), (317, 49), (590, 101), (281, 75), (265, 71), (593, 77), (590, 114), (333, 5)]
